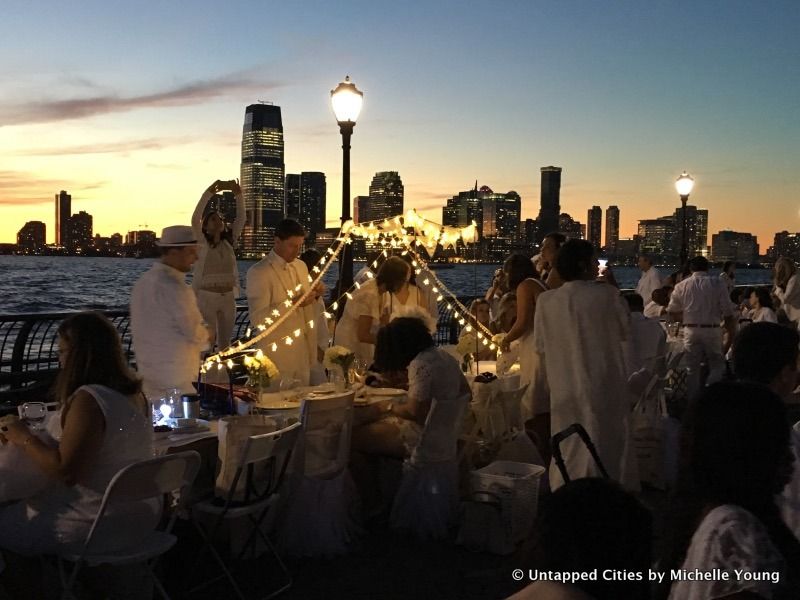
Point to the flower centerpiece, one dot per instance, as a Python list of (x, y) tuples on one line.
[(260, 372), (339, 357)]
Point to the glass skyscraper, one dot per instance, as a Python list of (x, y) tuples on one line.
[(63, 213), (262, 176), (550, 206), (385, 196)]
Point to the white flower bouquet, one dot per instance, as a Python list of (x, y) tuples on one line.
[(338, 356), (260, 370)]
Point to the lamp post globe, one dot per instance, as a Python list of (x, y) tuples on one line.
[(346, 100), (684, 185)]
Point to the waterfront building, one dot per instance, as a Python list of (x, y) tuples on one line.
[(529, 228), (293, 196), (594, 221), (262, 176), (786, 244), (500, 213), (361, 211), (141, 242), (627, 250), (313, 191), (464, 208), (79, 233), (696, 231), (32, 238), (570, 227), (63, 213), (612, 229), (657, 237), (731, 245), (550, 203), (385, 196)]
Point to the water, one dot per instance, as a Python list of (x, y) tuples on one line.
[(31, 284)]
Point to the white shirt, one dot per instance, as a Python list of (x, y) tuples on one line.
[(702, 299), (168, 330), (653, 310), (648, 282), (647, 342), (763, 314)]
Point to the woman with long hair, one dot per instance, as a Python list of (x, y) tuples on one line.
[(106, 426), (724, 514), (523, 279), (761, 306), (787, 288), (216, 276)]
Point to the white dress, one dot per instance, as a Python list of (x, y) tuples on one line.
[(427, 500), (60, 517), (536, 400), (367, 301), (730, 538), (580, 328)]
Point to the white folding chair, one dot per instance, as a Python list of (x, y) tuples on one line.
[(264, 461), (149, 479), (319, 519)]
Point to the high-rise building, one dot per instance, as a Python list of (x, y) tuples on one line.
[(731, 245), (696, 230), (612, 229), (312, 200), (63, 212), (570, 227), (549, 207), (262, 176), (385, 196), (657, 237), (500, 213), (594, 222), (32, 237), (361, 212), (786, 245), (79, 232), (530, 231), (293, 196)]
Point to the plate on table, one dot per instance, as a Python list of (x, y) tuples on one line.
[(384, 391), (368, 400), (279, 404), (183, 426)]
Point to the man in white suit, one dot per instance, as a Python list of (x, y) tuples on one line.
[(268, 282)]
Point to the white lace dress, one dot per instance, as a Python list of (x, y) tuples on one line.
[(734, 541), (59, 517), (427, 501)]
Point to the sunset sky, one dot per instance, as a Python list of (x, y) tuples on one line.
[(136, 109)]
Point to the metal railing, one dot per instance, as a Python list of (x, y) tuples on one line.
[(29, 347)]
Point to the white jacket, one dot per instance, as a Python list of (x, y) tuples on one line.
[(202, 249)]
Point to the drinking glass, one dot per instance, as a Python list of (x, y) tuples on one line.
[(175, 401), (34, 413), (288, 386)]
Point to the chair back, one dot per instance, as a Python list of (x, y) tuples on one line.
[(327, 430), (149, 479), (265, 458)]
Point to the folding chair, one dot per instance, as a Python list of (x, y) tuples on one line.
[(154, 478), (263, 462)]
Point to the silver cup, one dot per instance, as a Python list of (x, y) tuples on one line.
[(191, 406)]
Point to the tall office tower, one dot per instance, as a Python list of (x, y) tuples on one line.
[(735, 246), (63, 212), (79, 232), (293, 196), (549, 207), (386, 195), (501, 213), (262, 176), (312, 201), (696, 230), (658, 237), (361, 211), (450, 213), (530, 231), (594, 222), (612, 228), (32, 237)]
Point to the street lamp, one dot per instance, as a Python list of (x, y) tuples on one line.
[(684, 185), (346, 100)]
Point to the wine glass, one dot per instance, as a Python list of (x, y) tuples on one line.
[(288, 386), (175, 403)]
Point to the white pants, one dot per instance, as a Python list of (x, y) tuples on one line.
[(703, 344), (219, 311)]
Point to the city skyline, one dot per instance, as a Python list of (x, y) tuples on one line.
[(623, 99)]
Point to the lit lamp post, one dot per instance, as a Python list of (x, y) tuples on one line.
[(346, 100), (684, 185)]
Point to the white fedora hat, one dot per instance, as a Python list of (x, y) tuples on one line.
[(177, 235)]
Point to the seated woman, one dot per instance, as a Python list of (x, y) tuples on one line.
[(725, 515), (479, 313), (761, 306), (106, 426), (373, 305)]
